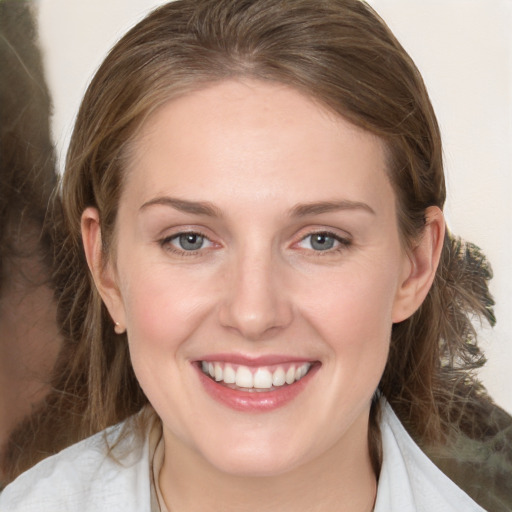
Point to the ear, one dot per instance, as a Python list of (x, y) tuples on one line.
[(423, 261), (103, 271)]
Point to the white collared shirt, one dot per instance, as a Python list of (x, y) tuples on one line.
[(83, 478), (409, 480)]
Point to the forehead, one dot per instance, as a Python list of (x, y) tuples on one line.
[(253, 139)]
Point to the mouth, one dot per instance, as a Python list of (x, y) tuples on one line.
[(255, 379), (255, 386)]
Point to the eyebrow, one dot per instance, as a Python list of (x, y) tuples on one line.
[(302, 210), (299, 210), (182, 205)]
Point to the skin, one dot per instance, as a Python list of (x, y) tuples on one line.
[(260, 155)]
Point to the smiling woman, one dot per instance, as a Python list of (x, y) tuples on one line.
[(262, 287), (238, 291)]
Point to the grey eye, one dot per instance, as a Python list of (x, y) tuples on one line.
[(321, 242), (189, 241)]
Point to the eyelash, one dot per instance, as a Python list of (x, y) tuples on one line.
[(166, 243)]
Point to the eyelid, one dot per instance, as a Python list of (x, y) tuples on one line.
[(173, 231), (183, 231), (339, 234)]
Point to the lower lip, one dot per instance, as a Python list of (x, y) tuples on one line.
[(256, 401)]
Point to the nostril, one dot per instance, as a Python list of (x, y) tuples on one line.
[(255, 320)]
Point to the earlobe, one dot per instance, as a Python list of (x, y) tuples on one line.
[(101, 270), (424, 260)]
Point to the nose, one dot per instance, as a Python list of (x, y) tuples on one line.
[(255, 302)]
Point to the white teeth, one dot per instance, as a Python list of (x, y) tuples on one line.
[(262, 378), (278, 377), (305, 369), (229, 375), (301, 371), (244, 377), (218, 372)]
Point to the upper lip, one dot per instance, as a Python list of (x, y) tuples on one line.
[(260, 360)]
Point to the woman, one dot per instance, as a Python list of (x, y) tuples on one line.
[(257, 189)]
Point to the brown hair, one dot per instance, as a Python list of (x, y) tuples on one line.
[(338, 52)]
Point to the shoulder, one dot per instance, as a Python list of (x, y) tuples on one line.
[(409, 480), (108, 471)]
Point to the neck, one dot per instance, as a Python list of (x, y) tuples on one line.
[(340, 479)]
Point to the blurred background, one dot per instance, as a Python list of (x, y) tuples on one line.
[(463, 48)]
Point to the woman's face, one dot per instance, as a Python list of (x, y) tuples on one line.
[(257, 242)]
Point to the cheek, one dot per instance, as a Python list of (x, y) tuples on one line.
[(353, 315), (163, 307), (353, 302)]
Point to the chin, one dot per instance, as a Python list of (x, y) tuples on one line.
[(250, 458), (255, 466)]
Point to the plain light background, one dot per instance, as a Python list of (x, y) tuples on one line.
[(463, 48)]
